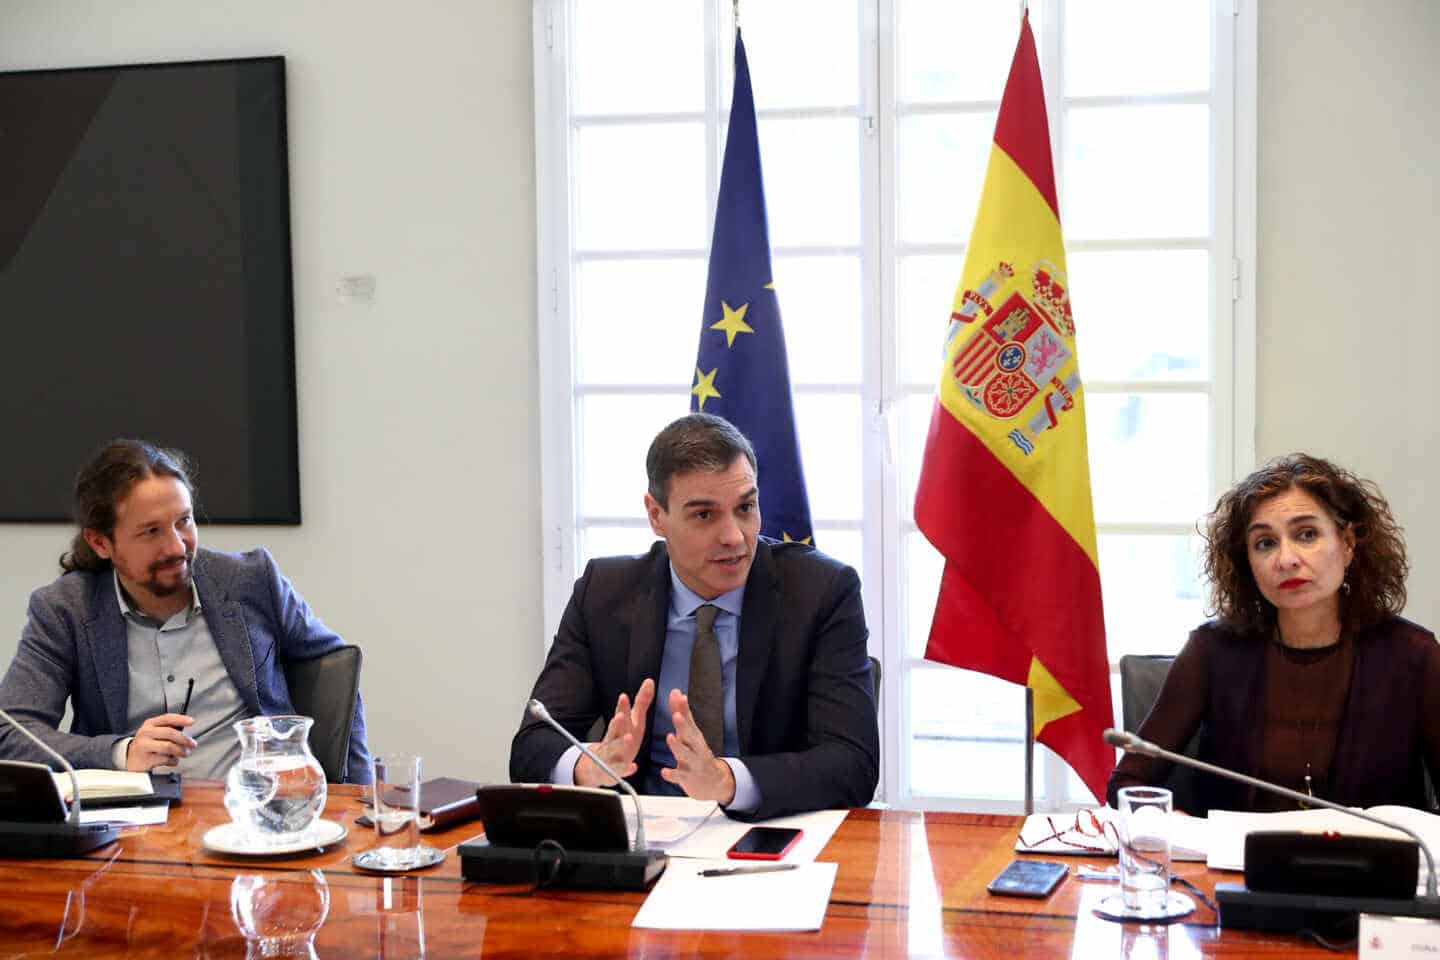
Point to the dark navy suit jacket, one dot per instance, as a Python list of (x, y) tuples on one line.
[(74, 646), (804, 703)]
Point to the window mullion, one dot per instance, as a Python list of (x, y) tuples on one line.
[(556, 332), (882, 486)]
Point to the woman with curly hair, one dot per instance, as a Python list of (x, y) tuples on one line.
[(1307, 677)]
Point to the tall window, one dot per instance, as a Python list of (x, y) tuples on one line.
[(875, 121)]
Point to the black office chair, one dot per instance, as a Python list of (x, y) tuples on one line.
[(875, 680), (1141, 677), (326, 689)]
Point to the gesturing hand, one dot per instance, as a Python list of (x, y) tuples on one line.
[(696, 770), (159, 742), (622, 740)]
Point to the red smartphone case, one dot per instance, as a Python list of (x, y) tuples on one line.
[(734, 854)]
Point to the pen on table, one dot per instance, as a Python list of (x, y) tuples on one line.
[(737, 871), (189, 689)]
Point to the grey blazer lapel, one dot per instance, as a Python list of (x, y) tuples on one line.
[(226, 621), (109, 644), (759, 621)]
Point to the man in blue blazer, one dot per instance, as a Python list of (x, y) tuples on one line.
[(796, 719), (159, 646)]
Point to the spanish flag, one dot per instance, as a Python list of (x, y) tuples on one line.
[(1004, 491)]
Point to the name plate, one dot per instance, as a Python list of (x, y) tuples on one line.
[(1390, 938)]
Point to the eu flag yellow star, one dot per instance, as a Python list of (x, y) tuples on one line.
[(733, 322), (704, 386), (790, 539)]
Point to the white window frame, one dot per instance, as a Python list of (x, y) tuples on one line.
[(1232, 387)]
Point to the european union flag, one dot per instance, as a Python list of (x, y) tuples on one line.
[(741, 372)]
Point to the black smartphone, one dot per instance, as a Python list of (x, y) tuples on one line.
[(764, 843), (1028, 878)]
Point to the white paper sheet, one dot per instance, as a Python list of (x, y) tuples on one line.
[(718, 834), (669, 820), (785, 900), (1228, 830), (143, 815)]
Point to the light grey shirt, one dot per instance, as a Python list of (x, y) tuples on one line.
[(163, 659)]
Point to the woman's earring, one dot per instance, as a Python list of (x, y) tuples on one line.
[(1345, 587)]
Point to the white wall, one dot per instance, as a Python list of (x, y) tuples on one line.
[(412, 160), (1349, 252)]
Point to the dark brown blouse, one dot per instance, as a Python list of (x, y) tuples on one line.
[(1302, 711)]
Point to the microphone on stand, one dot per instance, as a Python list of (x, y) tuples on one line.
[(552, 819), (637, 843), (25, 838), (1252, 909)]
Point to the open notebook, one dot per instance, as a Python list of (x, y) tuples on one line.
[(1094, 833), (106, 785)]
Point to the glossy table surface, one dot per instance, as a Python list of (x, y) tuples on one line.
[(909, 885)]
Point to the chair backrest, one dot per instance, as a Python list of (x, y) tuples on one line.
[(325, 688), (875, 680), (1141, 677)]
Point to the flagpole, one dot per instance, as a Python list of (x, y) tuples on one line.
[(1029, 751)]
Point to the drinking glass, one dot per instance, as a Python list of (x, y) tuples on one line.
[(395, 812), (1145, 849)]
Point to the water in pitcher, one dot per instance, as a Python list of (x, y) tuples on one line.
[(276, 796)]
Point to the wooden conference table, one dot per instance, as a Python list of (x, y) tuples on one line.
[(909, 885)]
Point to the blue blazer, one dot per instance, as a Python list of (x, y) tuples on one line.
[(74, 646), (803, 697)]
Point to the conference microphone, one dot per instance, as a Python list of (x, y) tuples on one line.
[(637, 842), (1252, 909), (39, 837), (559, 831)]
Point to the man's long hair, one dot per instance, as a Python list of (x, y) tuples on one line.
[(105, 481)]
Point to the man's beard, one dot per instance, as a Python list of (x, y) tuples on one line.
[(159, 589)]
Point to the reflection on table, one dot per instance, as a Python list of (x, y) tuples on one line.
[(909, 885)]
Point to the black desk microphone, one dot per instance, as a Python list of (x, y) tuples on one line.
[(637, 842), (1272, 910), (69, 838)]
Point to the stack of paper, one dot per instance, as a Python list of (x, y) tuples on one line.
[(669, 820), (718, 834), (791, 899), (1227, 847)]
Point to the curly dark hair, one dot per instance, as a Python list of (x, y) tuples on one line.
[(105, 481), (1377, 572)]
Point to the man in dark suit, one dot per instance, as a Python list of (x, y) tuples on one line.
[(757, 649), (158, 645)]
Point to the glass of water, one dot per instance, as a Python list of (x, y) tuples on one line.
[(395, 812), (1145, 849)]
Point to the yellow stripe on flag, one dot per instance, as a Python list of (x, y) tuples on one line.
[(1052, 702), (1016, 227)]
